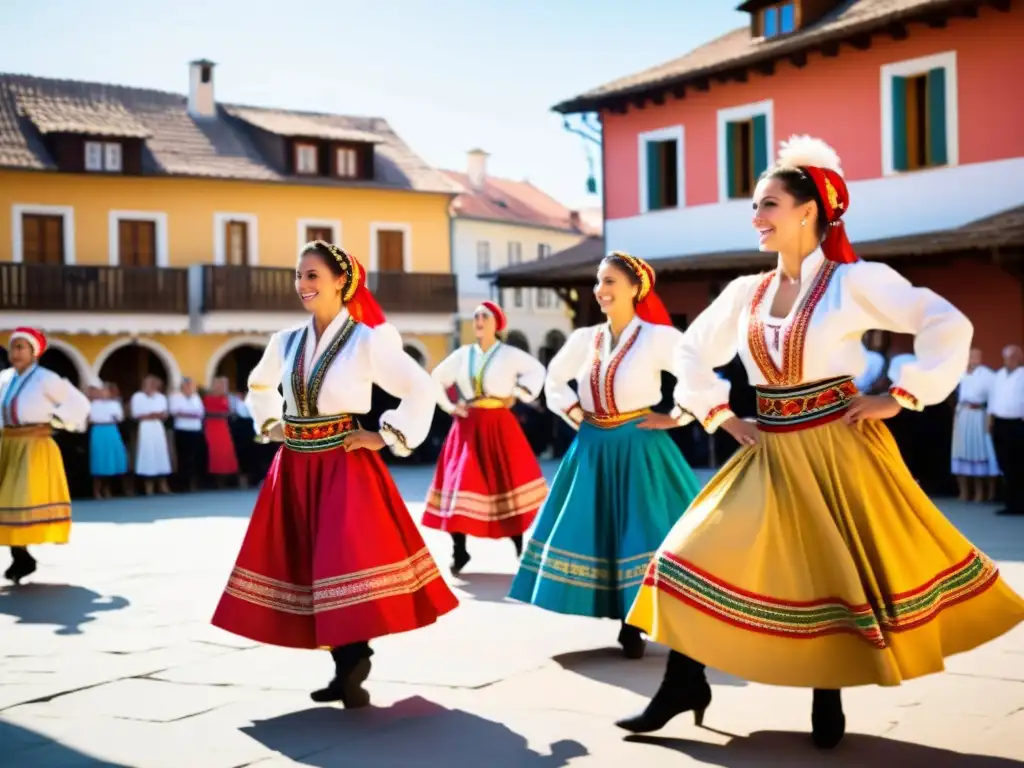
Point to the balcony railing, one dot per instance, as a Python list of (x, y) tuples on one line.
[(77, 288), (272, 289)]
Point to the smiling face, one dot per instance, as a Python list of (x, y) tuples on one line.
[(777, 218), (615, 291), (317, 286), (484, 325)]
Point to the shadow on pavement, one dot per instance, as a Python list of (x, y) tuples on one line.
[(63, 605), (176, 506), (792, 748), (489, 587), (414, 731), (641, 676), (23, 747), (999, 537)]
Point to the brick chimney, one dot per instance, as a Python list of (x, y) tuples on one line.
[(574, 219), (200, 89), (476, 168)]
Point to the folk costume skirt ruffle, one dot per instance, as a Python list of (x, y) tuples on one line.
[(107, 454), (974, 455), (616, 494), (813, 559), (488, 482), (331, 556), (35, 506)]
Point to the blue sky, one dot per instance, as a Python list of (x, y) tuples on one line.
[(449, 75)]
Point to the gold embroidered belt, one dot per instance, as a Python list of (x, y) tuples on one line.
[(612, 420), (317, 433), (27, 430), (788, 409), (487, 402)]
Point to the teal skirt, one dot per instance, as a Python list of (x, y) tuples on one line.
[(615, 497)]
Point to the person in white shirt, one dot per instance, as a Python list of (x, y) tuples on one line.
[(488, 482), (152, 454), (623, 483), (1006, 424), (186, 409), (813, 559), (973, 455), (35, 506), (107, 454), (332, 558)]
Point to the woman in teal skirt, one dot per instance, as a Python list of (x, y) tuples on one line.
[(623, 483)]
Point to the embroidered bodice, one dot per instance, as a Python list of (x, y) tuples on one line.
[(821, 337), (502, 371), (611, 380), (40, 396), (335, 376)]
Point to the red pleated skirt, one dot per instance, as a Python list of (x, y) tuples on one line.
[(220, 447), (331, 557), (488, 482)]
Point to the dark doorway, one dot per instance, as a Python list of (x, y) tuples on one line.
[(129, 365), (237, 365), (58, 361), (518, 340)]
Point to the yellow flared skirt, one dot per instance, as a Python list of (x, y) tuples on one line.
[(813, 559), (35, 505)]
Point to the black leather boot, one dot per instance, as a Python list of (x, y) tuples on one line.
[(460, 555), (632, 642), (22, 565), (517, 540), (828, 723), (351, 668), (683, 689)]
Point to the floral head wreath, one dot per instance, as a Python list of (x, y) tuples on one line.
[(352, 269), (643, 270)]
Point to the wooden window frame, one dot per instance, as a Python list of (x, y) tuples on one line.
[(297, 148), (159, 220), (947, 61), (675, 133), (738, 114), (104, 146), (357, 172), (220, 221), (483, 247), (762, 19), (406, 229), (332, 224), (17, 234)]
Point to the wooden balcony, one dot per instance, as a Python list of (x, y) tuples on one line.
[(272, 289), (78, 288)]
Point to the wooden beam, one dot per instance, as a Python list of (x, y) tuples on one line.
[(658, 98), (678, 91), (937, 22), (703, 84), (1000, 5), (830, 50), (639, 101), (766, 67), (967, 12), (618, 107), (861, 42), (898, 31), (798, 59)]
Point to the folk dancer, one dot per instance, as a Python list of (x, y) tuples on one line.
[(623, 483), (488, 482), (332, 558), (973, 455), (35, 506), (187, 413), (812, 559), (108, 457), (152, 456), (1006, 425)]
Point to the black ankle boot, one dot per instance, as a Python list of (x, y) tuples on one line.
[(22, 565), (460, 555), (351, 668), (518, 542), (683, 689), (828, 723), (632, 642)]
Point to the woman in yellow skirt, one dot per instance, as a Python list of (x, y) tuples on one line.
[(813, 559), (35, 506)]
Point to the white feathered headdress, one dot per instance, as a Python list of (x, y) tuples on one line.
[(803, 151)]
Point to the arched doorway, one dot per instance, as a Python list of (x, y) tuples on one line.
[(127, 366), (416, 354), (518, 340), (236, 365), (58, 361)]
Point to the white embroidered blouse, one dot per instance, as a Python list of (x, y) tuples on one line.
[(612, 381), (821, 337), (502, 371), (40, 396), (336, 376)]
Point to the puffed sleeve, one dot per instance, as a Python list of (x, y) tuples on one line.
[(71, 407), (709, 343), (942, 333), (562, 369), (444, 375), (666, 341), (530, 375), (397, 373), (263, 400)]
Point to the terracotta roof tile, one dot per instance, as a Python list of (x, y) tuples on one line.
[(303, 125), (514, 202)]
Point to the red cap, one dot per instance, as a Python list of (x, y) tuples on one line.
[(500, 321), (35, 339)]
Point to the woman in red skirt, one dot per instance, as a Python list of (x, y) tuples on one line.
[(332, 558), (487, 482), (221, 458)]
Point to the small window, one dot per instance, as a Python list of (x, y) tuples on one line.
[(543, 251), (779, 19), (787, 18), (112, 157), (205, 72), (746, 145), (771, 22), (517, 298), (483, 257), (305, 158), (348, 163), (103, 156), (919, 121), (662, 174), (93, 156), (515, 256), (544, 298)]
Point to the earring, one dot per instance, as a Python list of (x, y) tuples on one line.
[(803, 222)]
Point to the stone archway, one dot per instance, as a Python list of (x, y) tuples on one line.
[(235, 359), (64, 359), (165, 366)]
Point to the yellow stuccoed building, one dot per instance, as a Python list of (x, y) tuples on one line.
[(146, 231)]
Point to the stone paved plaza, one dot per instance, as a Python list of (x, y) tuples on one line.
[(107, 657)]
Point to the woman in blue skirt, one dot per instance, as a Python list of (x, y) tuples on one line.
[(107, 455), (623, 483)]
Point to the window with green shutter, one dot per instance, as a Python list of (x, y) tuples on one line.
[(662, 174), (746, 154), (919, 135)]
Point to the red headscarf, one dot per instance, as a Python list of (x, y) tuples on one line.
[(357, 298), (500, 321), (649, 307), (836, 200), (35, 339)]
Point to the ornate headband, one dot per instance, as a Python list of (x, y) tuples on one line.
[(642, 269), (349, 265)]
